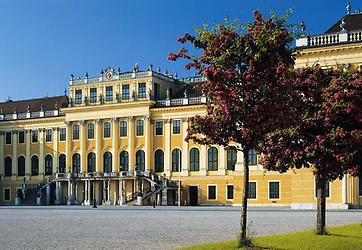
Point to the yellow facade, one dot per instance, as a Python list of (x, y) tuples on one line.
[(161, 105)]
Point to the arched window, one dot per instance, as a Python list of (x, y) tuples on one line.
[(140, 160), (48, 165), (212, 159), (62, 162), (76, 163), (124, 161), (194, 159), (176, 160), (91, 162), (107, 162), (8, 166), (231, 159), (21, 166), (159, 161), (34, 165)]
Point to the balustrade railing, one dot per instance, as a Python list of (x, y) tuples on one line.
[(31, 115), (329, 39)]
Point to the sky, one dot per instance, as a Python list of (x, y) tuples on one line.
[(42, 42)]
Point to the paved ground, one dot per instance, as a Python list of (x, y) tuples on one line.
[(145, 227)]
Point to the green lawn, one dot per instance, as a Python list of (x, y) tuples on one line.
[(339, 238)]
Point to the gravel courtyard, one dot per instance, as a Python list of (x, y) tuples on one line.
[(145, 227)]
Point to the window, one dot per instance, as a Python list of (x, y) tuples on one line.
[(123, 128), (360, 182), (125, 92), (212, 159), (8, 166), (21, 138), (252, 157), (142, 90), (107, 162), (176, 127), (176, 160), (274, 190), (211, 194), (139, 130), (231, 159), (34, 136), (62, 162), (75, 132), (327, 189), (159, 161), (159, 127), (230, 192), (252, 190), (140, 160), (91, 159), (7, 192), (21, 166), (90, 129), (34, 165), (93, 95), (8, 138), (194, 159), (109, 93), (78, 96), (106, 129), (48, 165), (48, 135), (76, 163), (124, 161), (63, 134)]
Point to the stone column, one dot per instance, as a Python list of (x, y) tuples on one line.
[(168, 147), (148, 145), (2, 159), (41, 153), (115, 139), (203, 160), (104, 193), (68, 147), (28, 154), (185, 149), (14, 166), (222, 161), (108, 192), (70, 193), (89, 192), (120, 193), (131, 137), (75, 190), (83, 147), (98, 133), (56, 150), (58, 193)]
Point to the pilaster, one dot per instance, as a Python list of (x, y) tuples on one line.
[(28, 153), (185, 150), (83, 145), (68, 147), (98, 145), (168, 147), (131, 137), (239, 161), (148, 154), (115, 140), (222, 161), (14, 167), (203, 160), (56, 150), (2, 159), (41, 153)]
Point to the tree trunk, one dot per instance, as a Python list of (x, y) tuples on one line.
[(243, 239), (321, 205)]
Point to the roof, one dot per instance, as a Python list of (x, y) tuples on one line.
[(353, 23), (48, 103)]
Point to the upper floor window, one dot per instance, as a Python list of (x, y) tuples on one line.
[(125, 91), (231, 159), (34, 136), (212, 159), (253, 157), (90, 130), (176, 124), (109, 93), (194, 159), (93, 95), (75, 132), (48, 135), (159, 127), (106, 129), (8, 137), (142, 90), (21, 137), (176, 160), (123, 128), (139, 128), (78, 96), (62, 134)]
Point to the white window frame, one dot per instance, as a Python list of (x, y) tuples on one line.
[(143, 128), (4, 194), (31, 136), (227, 185), (173, 120), (214, 185), (256, 190), (123, 136), (280, 188), (156, 127), (51, 135)]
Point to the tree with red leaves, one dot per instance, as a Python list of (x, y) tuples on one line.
[(249, 71), (327, 137)]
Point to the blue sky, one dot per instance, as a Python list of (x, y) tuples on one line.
[(42, 42)]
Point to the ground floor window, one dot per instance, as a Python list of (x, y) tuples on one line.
[(230, 192), (252, 190), (274, 190), (211, 194), (7, 194)]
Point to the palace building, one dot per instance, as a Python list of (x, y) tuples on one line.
[(118, 139)]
